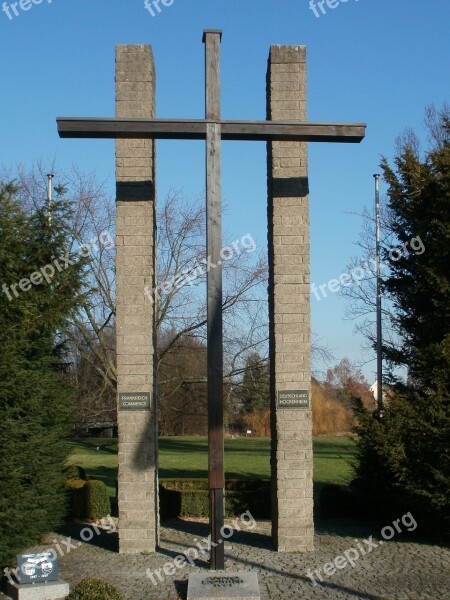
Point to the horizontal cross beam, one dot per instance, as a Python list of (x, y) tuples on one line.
[(191, 129)]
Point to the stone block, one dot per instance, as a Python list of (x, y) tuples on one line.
[(287, 54), (52, 590), (138, 487), (223, 585), (289, 320)]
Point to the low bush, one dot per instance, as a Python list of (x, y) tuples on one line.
[(97, 504), (257, 501), (190, 497), (76, 497), (88, 499), (353, 502), (75, 472), (94, 589)]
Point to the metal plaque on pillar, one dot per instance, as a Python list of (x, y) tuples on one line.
[(294, 399)]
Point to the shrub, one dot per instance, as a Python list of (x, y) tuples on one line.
[(96, 497), (190, 497), (339, 501), (94, 589), (88, 499), (77, 498), (75, 472), (175, 501), (257, 501)]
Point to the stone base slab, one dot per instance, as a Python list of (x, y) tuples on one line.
[(223, 585), (53, 590)]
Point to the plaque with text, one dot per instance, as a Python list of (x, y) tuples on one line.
[(36, 568), (222, 581), (294, 399), (134, 401)]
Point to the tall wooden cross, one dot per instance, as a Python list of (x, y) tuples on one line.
[(213, 129)]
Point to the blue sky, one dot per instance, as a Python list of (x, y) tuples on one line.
[(378, 62)]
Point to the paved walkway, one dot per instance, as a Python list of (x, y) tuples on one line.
[(399, 569)]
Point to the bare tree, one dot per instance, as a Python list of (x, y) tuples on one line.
[(361, 289), (180, 295), (362, 295), (181, 292)]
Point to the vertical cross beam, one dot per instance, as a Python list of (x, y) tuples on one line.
[(212, 39)]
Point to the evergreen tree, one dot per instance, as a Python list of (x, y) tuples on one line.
[(35, 393), (407, 453)]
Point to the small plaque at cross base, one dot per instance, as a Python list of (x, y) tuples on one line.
[(36, 578), (223, 585), (36, 568)]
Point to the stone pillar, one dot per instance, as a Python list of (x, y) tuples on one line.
[(135, 313), (289, 308)]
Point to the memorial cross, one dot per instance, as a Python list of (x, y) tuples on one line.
[(212, 129)]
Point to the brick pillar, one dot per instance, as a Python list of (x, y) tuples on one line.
[(289, 308), (135, 317)]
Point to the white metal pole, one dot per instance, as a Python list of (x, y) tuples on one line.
[(379, 330), (49, 197)]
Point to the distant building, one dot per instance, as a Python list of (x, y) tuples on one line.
[(374, 389), (99, 429), (386, 391)]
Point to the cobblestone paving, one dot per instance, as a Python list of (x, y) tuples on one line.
[(399, 569)]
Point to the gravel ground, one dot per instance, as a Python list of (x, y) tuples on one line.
[(400, 569)]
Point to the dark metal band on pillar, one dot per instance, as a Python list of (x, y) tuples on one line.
[(214, 283)]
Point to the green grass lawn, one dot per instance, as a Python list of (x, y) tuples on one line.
[(244, 458)]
